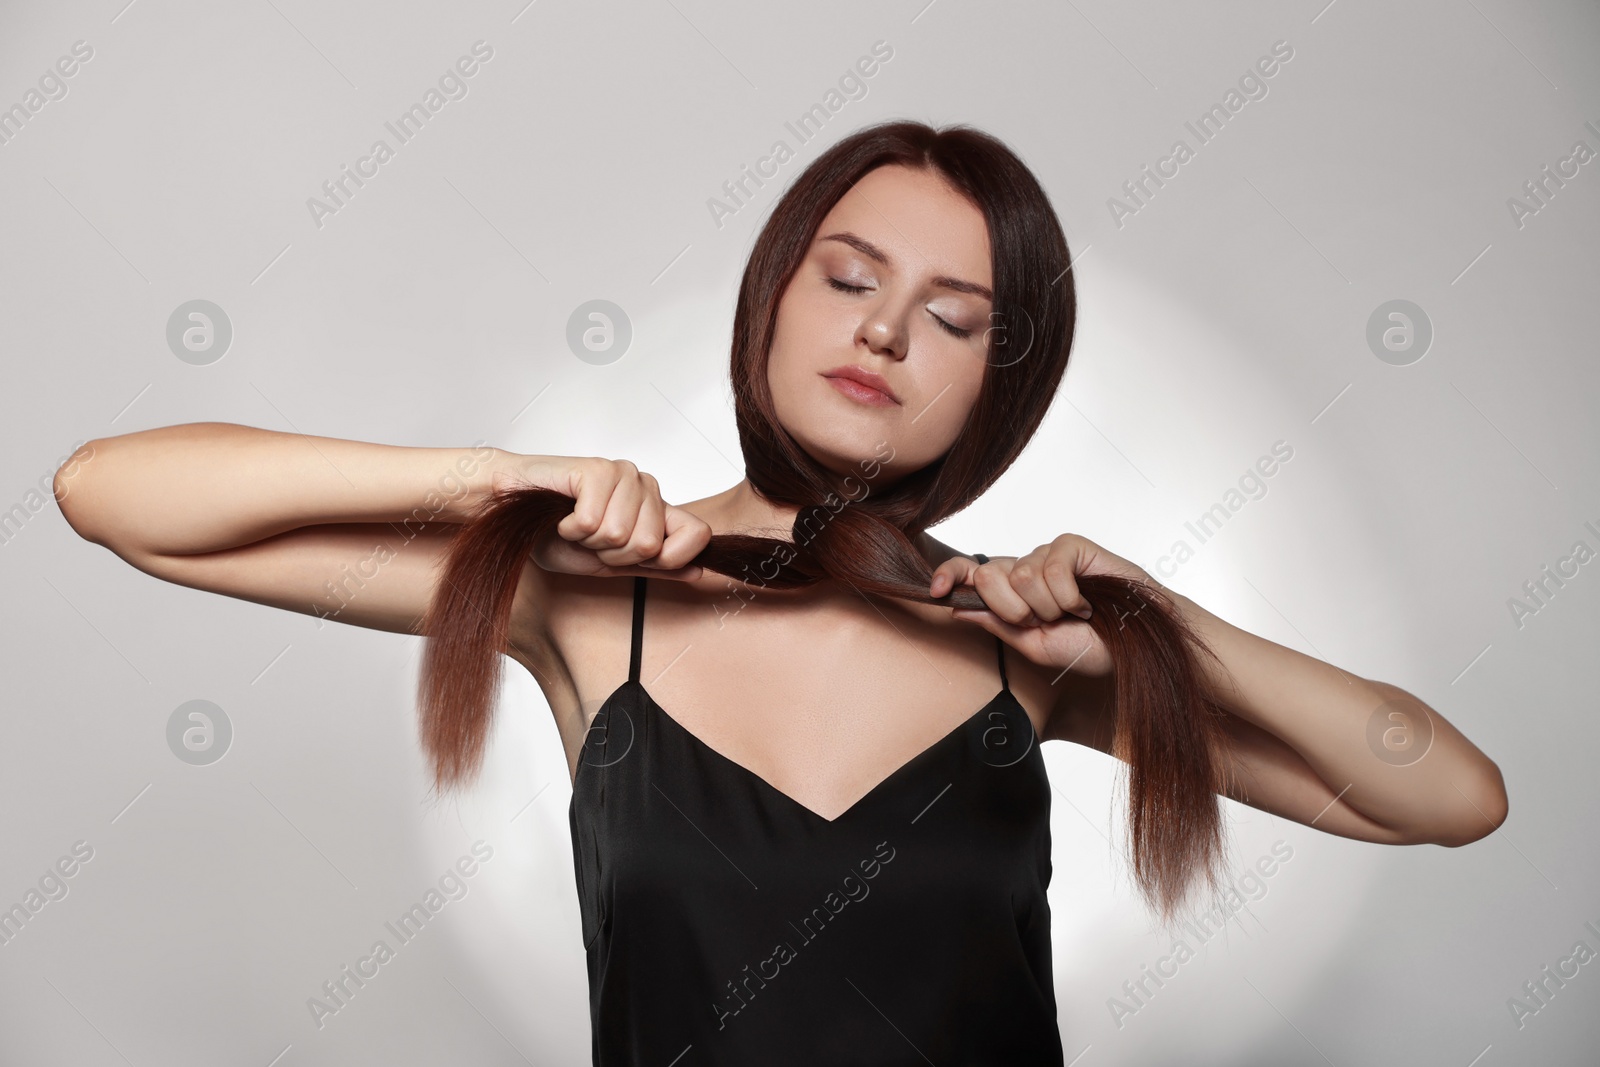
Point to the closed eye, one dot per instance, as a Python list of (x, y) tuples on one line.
[(953, 331)]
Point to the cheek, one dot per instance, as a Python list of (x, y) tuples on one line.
[(780, 361), (800, 347), (780, 369), (935, 431)]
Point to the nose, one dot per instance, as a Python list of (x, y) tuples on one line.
[(883, 332)]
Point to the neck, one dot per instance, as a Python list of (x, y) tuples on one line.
[(740, 509)]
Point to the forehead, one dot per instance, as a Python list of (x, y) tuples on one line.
[(916, 217)]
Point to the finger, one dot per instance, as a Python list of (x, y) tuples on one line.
[(1045, 579), (690, 573), (1028, 581), (994, 585), (650, 531), (957, 570), (590, 487), (687, 537), (610, 541), (1010, 633), (1063, 583), (1080, 560), (693, 572)]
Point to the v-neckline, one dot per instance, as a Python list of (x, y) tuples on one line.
[(746, 773)]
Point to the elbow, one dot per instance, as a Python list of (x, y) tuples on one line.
[(69, 488), (1489, 808)]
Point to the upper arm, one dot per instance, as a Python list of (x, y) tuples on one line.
[(1269, 774), (371, 574), (1266, 773), (363, 574)]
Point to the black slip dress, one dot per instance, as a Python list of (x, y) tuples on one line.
[(726, 923)]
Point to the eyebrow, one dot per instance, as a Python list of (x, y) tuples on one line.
[(872, 251)]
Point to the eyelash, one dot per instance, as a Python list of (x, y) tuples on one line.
[(953, 331)]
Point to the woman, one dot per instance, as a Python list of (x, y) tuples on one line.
[(795, 839)]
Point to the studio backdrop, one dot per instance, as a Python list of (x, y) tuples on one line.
[(1334, 379)]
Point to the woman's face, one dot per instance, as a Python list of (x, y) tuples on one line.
[(897, 283)]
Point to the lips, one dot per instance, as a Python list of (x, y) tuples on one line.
[(865, 379)]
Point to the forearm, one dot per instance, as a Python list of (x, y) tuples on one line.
[(1383, 752), (204, 487)]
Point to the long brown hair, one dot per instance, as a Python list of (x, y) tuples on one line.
[(1167, 730)]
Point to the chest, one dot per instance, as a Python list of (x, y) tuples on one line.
[(822, 696), (658, 814)]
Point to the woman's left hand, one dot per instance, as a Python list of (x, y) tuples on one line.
[(1033, 601)]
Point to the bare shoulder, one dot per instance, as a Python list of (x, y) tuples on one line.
[(571, 633), (560, 623), (531, 641), (1074, 707)]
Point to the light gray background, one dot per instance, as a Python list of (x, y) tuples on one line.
[(1227, 314)]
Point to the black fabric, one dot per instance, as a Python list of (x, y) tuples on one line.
[(726, 923)]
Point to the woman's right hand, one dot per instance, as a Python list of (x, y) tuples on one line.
[(619, 525)]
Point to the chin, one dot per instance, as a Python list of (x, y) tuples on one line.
[(836, 458)]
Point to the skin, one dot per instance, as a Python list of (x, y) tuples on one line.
[(823, 736), (282, 519), (1297, 727)]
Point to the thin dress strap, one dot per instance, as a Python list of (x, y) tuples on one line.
[(1004, 684), (638, 627)]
